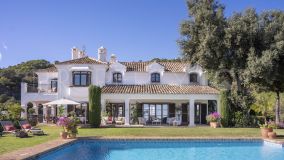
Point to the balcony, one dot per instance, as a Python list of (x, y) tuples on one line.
[(42, 88)]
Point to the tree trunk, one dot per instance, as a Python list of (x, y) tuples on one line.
[(277, 108)]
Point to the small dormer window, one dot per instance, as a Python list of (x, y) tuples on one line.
[(117, 78), (155, 77), (193, 78)]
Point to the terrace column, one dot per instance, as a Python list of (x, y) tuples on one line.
[(191, 113), (218, 105), (44, 114), (127, 109), (103, 105)]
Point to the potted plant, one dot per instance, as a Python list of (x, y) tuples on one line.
[(267, 128), (72, 127), (214, 119), (64, 123)]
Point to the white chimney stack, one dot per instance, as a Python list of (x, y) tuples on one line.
[(76, 53), (113, 58), (102, 54)]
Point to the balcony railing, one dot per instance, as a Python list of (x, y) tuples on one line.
[(41, 88)]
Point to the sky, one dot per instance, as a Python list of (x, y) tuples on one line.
[(132, 29)]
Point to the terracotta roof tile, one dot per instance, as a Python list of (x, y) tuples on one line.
[(169, 66), (158, 89), (50, 69), (84, 60)]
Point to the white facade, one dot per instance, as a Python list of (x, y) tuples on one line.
[(103, 73)]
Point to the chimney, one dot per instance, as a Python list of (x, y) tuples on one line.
[(81, 54), (113, 58), (74, 53), (102, 53)]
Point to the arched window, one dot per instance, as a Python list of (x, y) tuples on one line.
[(193, 78), (117, 78), (155, 77)]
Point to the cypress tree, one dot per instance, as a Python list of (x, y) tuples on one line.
[(225, 108), (95, 106)]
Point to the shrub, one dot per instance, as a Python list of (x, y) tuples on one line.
[(95, 106)]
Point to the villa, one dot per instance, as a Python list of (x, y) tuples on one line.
[(159, 90)]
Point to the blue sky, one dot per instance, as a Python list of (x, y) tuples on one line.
[(132, 29)]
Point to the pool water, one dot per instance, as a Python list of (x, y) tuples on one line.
[(165, 150)]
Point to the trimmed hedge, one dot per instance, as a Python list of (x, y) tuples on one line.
[(95, 106)]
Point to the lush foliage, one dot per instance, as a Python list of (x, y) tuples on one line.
[(11, 111), (11, 78), (270, 124), (213, 117), (239, 52), (95, 106)]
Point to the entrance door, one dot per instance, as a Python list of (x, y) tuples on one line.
[(200, 112), (184, 117), (203, 113)]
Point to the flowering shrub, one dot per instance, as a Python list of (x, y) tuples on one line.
[(213, 117), (69, 124), (63, 122)]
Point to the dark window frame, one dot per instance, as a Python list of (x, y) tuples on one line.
[(117, 77), (54, 84), (190, 78), (155, 77), (88, 75)]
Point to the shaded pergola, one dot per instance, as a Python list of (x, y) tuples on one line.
[(62, 102)]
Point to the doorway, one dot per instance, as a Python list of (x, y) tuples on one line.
[(184, 112), (200, 112)]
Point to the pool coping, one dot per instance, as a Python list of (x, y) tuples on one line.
[(31, 153)]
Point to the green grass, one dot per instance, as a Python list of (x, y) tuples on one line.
[(10, 143)]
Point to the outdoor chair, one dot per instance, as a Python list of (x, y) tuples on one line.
[(28, 128), (141, 120), (8, 127), (170, 120), (119, 120), (156, 121)]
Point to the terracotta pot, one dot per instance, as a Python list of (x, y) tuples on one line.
[(63, 135), (214, 124), (72, 136), (272, 135), (264, 132)]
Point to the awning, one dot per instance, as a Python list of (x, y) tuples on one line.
[(62, 102)]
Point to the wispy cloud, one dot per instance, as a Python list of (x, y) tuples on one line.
[(0, 56), (5, 46)]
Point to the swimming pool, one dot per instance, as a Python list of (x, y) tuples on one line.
[(165, 150)]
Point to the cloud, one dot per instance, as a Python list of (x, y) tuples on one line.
[(0, 56), (5, 46)]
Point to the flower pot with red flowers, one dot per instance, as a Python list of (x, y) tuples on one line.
[(214, 119)]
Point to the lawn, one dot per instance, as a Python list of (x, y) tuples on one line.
[(10, 143)]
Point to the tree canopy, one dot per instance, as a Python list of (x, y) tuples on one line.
[(238, 52)]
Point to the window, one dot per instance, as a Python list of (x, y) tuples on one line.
[(155, 77), (117, 78), (151, 111), (193, 78), (81, 78), (53, 85)]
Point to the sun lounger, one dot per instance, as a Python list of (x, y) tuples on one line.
[(28, 128), (8, 127)]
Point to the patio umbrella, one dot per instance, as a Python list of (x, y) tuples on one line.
[(61, 102)]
